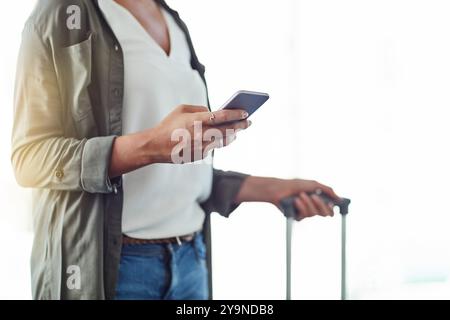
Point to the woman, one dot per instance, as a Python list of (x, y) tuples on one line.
[(101, 88)]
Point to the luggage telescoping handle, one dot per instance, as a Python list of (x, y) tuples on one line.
[(291, 212)]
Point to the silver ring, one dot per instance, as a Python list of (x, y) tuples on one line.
[(212, 117)]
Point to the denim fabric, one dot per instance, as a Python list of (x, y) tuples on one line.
[(163, 272)]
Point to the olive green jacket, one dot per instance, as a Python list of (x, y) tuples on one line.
[(67, 113)]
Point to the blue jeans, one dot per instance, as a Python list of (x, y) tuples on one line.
[(163, 272)]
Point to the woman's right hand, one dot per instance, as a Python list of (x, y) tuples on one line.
[(187, 134)]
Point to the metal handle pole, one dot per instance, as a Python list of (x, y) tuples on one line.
[(289, 224), (344, 257)]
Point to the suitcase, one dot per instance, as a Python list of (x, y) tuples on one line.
[(290, 211)]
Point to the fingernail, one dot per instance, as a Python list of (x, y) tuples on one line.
[(244, 115), (250, 123)]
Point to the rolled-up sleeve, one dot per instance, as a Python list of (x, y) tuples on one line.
[(42, 156), (226, 186), (95, 165)]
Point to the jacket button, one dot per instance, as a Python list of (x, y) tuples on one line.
[(116, 92), (116, 47), (59, 174)]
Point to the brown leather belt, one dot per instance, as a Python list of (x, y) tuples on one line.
[(178, 240)]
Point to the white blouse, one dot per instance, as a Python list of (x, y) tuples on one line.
[(160, 200)]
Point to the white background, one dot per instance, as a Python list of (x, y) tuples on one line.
[(359, 100)]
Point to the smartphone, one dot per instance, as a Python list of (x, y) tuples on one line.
[(249, 101)]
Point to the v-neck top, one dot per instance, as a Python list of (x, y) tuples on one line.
[(161, 200)]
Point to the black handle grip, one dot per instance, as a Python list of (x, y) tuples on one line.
[(290, 211)]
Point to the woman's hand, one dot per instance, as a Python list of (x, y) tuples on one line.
[(258, 189), (187, 134)]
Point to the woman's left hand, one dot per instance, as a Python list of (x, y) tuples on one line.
[(258, 189)]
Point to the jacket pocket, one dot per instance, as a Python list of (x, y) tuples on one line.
[(75, 67)]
